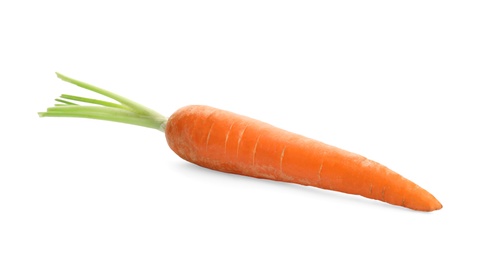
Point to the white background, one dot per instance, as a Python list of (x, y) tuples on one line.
[(396, 82)]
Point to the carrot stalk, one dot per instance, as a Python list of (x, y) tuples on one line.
[(65, 102), (127, 111), (227, 142), (127, 102), (92, 101), (145, 122)]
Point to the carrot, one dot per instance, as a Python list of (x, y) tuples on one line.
[(227, 142)]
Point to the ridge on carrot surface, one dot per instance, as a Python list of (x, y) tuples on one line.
[(232, 143)]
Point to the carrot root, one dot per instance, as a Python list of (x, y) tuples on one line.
[(232, 143)]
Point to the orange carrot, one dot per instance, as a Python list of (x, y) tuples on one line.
[(227, 142)]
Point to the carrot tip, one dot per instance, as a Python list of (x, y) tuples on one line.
[(433, 205)]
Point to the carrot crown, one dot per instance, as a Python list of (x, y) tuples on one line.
[(123, 111)]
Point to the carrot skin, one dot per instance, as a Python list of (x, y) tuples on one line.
[(227, 142)]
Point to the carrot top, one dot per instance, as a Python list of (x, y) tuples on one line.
[(123, 111)]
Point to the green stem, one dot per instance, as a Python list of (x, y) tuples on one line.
[(127, 111), (93, 101), (64, 101), (94, 109), (145, 122), (127, 102)]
